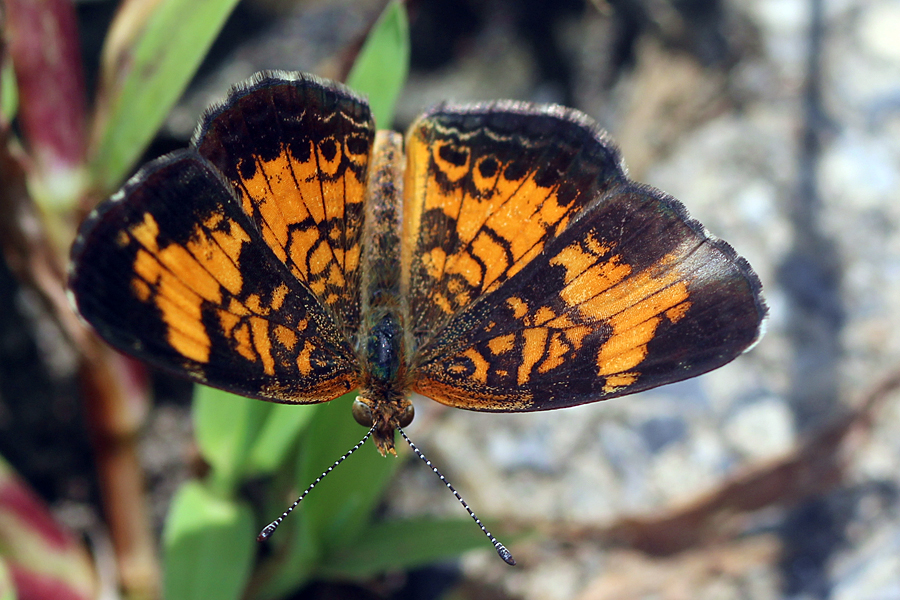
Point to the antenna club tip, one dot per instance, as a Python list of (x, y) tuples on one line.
[(266, 532), (506, 555)]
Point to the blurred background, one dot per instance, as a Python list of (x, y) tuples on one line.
[(777, 123)]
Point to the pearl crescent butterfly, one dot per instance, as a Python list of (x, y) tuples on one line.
[(496, 258)]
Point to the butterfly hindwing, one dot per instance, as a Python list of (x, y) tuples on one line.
[(171, 270)]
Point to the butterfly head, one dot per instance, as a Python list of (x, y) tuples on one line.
[(386, 416)]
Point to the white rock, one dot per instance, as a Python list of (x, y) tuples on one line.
[(761, 429), (879, 31)]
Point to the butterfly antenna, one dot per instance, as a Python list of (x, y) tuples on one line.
[(505, 554), (269, 529)]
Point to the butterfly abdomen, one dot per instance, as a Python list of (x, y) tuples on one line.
[(380, 337)]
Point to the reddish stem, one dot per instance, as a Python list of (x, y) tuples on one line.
[(42, 38)]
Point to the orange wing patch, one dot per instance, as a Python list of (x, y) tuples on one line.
[(302, 210), (301, 177), (604, 290), (195, 289), (201, 262), (609, 322), (483, 198)]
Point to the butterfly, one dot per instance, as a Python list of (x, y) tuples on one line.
[(495, 258)]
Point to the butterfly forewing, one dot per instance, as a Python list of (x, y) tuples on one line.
[(487, 186), (184, 267), (296, 150)]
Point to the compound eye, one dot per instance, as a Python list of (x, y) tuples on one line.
[(362, 413), (407, 415)]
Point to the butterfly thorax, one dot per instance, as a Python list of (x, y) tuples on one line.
[(383, 398), (384, 388)]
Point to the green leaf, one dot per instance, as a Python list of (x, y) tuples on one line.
[(339, 508), (226, 427), (405, 544), (209, 545), (381, 68), (151, 53), (277, 437), (9, 92)]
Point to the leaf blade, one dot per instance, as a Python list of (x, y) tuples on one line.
[(382, 65), (208, 544), (226, 426), (403, 544), (153, 49)]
